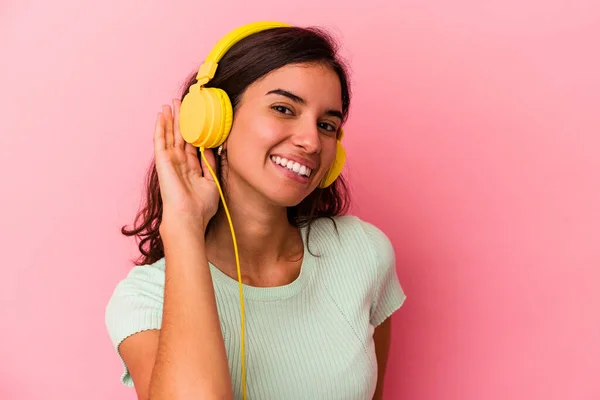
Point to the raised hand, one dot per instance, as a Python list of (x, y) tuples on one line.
[(188, 190)]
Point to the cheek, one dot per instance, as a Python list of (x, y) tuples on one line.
[(264, 133), (252, 139), (329, 149)]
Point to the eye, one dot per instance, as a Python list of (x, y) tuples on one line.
[(331, 129), (282, 110)]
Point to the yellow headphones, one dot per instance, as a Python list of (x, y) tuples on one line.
[(205, 120)]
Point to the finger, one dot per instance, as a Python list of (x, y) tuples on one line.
[(159, 133), (179, 141), (208, 155), (191, 149), (168, 126)]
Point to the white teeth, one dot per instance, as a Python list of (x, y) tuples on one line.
[(292, 165)]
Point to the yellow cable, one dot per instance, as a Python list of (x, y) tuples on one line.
[(237, 263)]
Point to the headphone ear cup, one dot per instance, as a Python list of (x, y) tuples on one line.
[(205, 117), (336, 168)]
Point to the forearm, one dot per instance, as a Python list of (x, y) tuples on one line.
[(191, 361)]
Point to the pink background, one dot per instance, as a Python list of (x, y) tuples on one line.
[(473, 143)]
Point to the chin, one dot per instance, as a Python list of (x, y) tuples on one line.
[(286, 198)]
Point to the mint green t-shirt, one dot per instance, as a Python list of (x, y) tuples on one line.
[(310, 339)]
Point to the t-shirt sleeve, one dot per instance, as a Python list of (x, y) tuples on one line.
[(389, 295), (136, 305)]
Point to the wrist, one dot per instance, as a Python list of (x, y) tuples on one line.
[(180, 224)]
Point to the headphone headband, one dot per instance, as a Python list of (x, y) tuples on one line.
[(207, 70)]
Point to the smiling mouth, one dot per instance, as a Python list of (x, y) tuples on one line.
[(301, 170)]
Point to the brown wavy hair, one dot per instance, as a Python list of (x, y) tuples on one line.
[(247, 61)]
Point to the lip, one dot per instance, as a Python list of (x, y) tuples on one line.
[(300, 160), (291, 174)]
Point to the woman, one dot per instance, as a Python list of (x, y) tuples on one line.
[(319, 285)]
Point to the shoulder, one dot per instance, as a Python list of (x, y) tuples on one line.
[(357, 255), (370, 250), (346, 231), (136, 302), (352, 246), (143, 278)]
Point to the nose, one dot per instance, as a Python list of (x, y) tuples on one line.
[(308, 138)]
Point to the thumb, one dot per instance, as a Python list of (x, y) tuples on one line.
[(208, 156)]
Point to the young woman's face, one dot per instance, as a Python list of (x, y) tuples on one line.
[(291, 116)]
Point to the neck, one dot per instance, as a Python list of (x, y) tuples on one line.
[(264, 237)]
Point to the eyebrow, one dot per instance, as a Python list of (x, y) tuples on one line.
[(300, 100)]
